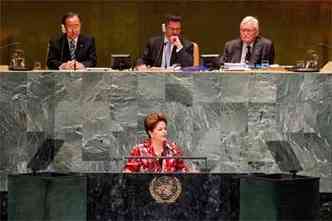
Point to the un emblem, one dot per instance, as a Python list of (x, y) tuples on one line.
[(165, 189)]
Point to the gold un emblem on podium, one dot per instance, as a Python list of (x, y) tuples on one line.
[(165, 189)]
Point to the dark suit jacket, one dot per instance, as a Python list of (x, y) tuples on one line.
[(153, 53), (262, 50), (58, 51)]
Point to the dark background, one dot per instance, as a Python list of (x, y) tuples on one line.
[(125, 26)]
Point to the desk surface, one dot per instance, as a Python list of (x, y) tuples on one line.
[(258, 71)]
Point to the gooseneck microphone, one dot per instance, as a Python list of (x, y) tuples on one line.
[(162, 45), (160, 52)]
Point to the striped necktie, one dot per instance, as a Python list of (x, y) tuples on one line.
[(72, 49)]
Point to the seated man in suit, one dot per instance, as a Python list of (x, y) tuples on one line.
[(250, 48), (168, 49), (72, 50)]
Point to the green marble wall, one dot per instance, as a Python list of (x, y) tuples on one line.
[(242, 122), (124, 26)]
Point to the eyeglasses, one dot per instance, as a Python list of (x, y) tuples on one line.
[(251, 30)]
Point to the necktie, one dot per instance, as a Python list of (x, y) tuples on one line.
[(72, 49), (166, 62), (248, 54)]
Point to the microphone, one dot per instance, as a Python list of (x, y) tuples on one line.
[(62, 29), (163, 154), (160, 50), (161, 159), (165, 158), (167, 145), (163, 27), (163, 30), (62, 46)]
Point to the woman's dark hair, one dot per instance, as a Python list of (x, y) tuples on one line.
[(152, 119), (69, 15)]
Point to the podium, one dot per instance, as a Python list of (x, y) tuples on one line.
[(201, 196), (3, 205), (118, 196), (128, 197)]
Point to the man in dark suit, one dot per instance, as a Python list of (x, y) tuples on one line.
[(72, 50), (250, 48), (168, 49)]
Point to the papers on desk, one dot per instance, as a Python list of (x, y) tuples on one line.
[(236, 67), (97, 69), (4, 68), (327, 67)]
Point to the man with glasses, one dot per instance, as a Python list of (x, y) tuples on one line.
[(72, 50), (250, 48), (169, 49)]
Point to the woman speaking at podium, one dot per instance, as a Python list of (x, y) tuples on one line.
[(157, 154)]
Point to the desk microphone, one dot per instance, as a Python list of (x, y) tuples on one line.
[(163, 30), (160, 55)]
